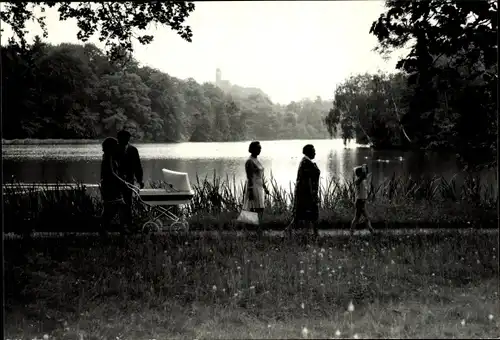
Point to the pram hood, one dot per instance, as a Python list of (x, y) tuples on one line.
[(178, 180)]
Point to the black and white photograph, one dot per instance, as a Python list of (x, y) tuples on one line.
[(250, 169)]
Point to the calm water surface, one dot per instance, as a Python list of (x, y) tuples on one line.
[(50, 163)]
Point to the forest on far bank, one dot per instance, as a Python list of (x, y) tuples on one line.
[(72, 91)]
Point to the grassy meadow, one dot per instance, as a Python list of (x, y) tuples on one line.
[(226, 287)]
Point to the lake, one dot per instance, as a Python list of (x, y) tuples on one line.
[(50, 163)]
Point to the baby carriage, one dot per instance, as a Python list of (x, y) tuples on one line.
[(160, 203)]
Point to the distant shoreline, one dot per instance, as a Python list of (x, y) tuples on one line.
[(49, 141), (34, 141)]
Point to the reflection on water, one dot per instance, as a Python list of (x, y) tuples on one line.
[(49, 163)]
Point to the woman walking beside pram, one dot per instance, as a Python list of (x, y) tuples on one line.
[(255, 187), (112, 186)]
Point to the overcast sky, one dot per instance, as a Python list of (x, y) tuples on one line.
[(291, 50)]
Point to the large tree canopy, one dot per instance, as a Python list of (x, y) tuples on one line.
[(369, 107), (449, 98), (116, 23), (453, 63)]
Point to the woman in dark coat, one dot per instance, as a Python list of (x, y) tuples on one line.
[(306, 198), (112, 186)]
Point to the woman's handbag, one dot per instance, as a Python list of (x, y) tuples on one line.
[(248, 217)]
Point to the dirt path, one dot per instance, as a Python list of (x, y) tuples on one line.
[(324, 233)]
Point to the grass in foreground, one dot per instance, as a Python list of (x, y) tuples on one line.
[(405, 201), (186, 287)]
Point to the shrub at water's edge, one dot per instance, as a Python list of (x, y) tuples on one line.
[(398, 202)]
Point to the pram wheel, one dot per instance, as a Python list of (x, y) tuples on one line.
[(180, 226), (159, 223), (150, 227)]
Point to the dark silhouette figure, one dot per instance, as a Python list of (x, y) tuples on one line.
[(306, 197), (112, 185), (130, 168)]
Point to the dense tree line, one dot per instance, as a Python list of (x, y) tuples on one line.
[(445, 94), (76, 91)]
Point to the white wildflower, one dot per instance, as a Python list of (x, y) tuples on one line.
[(337, 333), (350, 308), (462, 322), (305, 332), (490, 317)]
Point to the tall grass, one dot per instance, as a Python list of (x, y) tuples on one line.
[(409, 199), (218, 194)]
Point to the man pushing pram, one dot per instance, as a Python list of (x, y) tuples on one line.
[(120, 167), (129, 168)]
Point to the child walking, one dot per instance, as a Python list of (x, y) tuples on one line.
[(361, 195)]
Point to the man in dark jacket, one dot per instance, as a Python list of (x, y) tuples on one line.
[(129, 166)]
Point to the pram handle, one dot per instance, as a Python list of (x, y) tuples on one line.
[(135, 190)]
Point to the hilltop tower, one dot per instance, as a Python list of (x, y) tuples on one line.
[(218, 76)]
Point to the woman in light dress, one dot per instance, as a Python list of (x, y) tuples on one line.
[(255, 187)]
